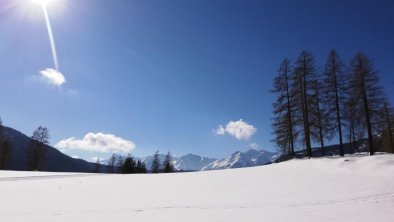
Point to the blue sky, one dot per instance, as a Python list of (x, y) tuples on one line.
[(165, 74)]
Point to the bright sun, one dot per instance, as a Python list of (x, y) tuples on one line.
[(42, 2)]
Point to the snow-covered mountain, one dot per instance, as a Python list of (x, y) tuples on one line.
[(189, 162), (192, 162), (243, 159)]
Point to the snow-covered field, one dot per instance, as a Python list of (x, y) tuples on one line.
[(329, 189)]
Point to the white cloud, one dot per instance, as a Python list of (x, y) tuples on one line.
[(238, 129), (97, 142), (220, 130), (53, 76), (254, 146), (75, 157)]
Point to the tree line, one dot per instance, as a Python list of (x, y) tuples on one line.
[(130, 165), (124, 165), (347, 104)]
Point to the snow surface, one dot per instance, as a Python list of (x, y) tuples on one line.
[(354, 188)]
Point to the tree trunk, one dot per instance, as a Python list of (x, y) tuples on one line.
[(306, 119), (289, 117), (341, 149), (320, 125), (388, 119), (367, 118)]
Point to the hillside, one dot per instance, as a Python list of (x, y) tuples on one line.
[(355, 188), (55, 160)]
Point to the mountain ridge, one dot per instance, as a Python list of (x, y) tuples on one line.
[(240, 159)]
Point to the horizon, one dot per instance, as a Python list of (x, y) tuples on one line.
[(183, 77)]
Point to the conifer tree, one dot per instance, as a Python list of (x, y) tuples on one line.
[(155, 168), (334, 89), (140, 168), (303, 77), (364, 86), (168, 165), (283, 106), (129, 165)]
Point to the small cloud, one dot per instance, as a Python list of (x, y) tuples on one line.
[(53, 76), (97, 142), (220, 130), (254, 146), (238, 129), (75, 157)]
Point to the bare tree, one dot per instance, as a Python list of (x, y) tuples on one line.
[(320, 127), (283, 106), (37, 148), (353, 122), (364, 86), (334, 89), (303, 77)]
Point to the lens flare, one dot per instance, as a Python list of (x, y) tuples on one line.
[(50, 34)]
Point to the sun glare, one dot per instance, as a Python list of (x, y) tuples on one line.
[(43, 2)]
